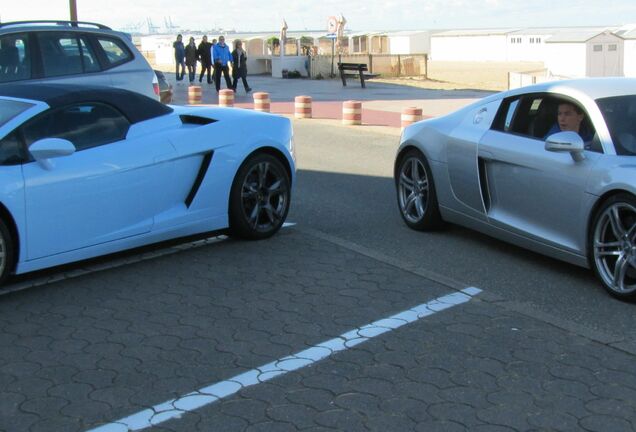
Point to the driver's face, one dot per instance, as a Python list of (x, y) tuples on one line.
[(568, 118)]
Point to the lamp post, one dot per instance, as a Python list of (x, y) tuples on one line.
[(73, 7)]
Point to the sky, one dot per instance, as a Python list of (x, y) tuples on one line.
[(388, 15)]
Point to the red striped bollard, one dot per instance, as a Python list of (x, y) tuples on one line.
[(302, 107), (226, 98), (194, 94), (261, 101), (410, 115), (352, 113)]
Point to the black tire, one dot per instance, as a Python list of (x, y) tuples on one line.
[(7, 252), (260, 198), (416, 196), (612, 246)]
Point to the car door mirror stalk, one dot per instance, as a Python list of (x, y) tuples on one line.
[(567, 141)]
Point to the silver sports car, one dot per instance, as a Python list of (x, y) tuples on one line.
[(550, 167)]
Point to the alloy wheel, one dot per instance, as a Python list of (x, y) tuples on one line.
[(615, 247), (413, 190), (264, 196)]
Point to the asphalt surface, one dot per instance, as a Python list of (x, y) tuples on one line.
[(346, 189)]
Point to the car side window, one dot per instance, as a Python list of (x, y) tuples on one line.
[(518, 115), (115, 50), (15, 57), (66, 54), (11, 149), (536, 116), (60, 53), (86, 125), (510, 113), (89, 60)]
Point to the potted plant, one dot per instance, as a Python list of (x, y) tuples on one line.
[(274, 45)]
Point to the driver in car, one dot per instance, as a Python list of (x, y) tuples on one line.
[(570, 118)]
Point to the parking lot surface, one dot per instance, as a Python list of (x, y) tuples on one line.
[(97, 348), (125, 343)]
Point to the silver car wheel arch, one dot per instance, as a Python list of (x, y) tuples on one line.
[(614, 247)]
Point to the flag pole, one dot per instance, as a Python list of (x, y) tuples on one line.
[(73, 7)]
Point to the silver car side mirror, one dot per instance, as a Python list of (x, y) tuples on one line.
[(567, 141), (48, 148)]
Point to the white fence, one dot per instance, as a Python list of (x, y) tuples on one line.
[(522, 79)]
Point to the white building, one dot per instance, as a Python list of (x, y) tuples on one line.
[(471, 45), (528, 44), (410, 42), (628, 33), (585, 53)]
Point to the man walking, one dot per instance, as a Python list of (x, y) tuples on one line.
[(191, 59), (205, 57), (179, 57), (221, 56)]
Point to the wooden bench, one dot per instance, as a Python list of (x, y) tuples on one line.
[(354, 69)]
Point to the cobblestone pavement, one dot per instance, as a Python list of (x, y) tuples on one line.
[(92, 349)]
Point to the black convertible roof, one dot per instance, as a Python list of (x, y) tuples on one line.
[(136, 107)]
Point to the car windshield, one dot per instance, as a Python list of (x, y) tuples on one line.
[(10, 108), (620, 116)]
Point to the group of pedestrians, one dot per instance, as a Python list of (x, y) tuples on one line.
[(215, 58)]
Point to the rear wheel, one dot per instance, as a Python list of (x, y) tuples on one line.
[(613, 246), (6, 252), (260, 198), (417, 199)]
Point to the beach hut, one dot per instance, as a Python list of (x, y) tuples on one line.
[(581, 52), (628, 33), (471, 45), (410, 42)]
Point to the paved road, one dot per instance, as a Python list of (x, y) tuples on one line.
[(346, 189), (245, 326), (389, 98)]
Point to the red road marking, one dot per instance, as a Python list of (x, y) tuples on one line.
[(333, 110)]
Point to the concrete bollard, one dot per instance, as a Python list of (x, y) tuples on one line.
[(302, 107), (194, 94), (352, 113), (261, 101), (226, 98), (410, 115)]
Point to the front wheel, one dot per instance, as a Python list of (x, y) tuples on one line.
[(260, 198), (416, 195), (613, 246)]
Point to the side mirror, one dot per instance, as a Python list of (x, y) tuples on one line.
[(48, 148), (566, 142)]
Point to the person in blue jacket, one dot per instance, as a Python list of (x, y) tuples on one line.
[(221, 57), (179, 57)]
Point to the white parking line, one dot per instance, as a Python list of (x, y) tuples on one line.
[(175, 408)]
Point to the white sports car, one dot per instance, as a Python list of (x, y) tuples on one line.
[(550, 167), (87, 171)]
